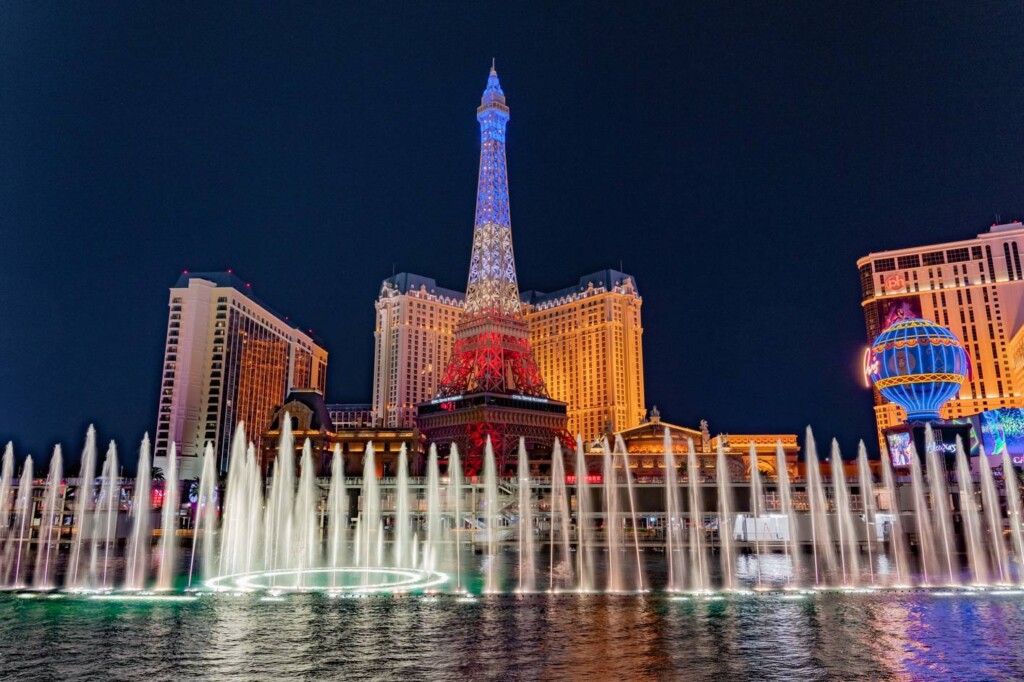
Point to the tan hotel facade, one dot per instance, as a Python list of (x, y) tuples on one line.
[(587, 340), (975, 287), (227, 358)]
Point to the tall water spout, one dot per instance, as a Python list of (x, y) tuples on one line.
[(305, 515), (584, 551), (897, 536), (169, 522), (701, 578), (76, 577), (277, 550), (786, 507), (756, 504), (455, 500), (50, 522), (867, 494), (527, 565), (402, 519), (206, 514), (6, 486), (674, 522), (561, 567), (612, 523), (1013, 510), (620, 446), (925, 537), (824, 551), (977, 561), (725, 520), (370, 520), (492, 512), (104, 521), (15, 553), (938, 484), (993, 520), (432, 548), (849, 548), (241, 510), (137, 569), (337, 503)]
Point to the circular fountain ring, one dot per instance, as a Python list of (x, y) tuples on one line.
[(354, 580)]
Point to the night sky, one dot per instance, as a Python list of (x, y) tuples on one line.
[(736, 158)]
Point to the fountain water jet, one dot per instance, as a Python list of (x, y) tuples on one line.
[(725, 527), (51, 514), (403, 531), (1013, 510), (993, 519), (897, 537), (976, 557), (849, 548), (938, 485), (137, 570), (491, 517), (559, 520), (527, 567), (612, 523), (674, 522), (18, 540), (867, 494), (821, 542), (620, 446), (584, 551), (169, 522), (337, 509), (786, 507), (701, 579)]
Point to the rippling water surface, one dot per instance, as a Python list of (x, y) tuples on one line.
[(907, 635)]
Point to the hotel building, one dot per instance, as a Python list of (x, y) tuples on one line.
[(228, 358), (973, 287), (587, 341)]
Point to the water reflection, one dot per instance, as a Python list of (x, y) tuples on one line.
[(821, 636)]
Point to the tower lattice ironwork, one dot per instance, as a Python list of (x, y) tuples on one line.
[(492, 353)]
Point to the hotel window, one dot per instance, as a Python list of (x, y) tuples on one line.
[(885, 264), (907, 262), (933, 258), (976, 252), (958, 255)]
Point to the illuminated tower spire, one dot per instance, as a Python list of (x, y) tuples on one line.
[(492, 288), (492, 387)]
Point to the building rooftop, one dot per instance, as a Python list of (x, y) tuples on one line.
[(232, 281), (405, 282), (993, 232), (602, 278)]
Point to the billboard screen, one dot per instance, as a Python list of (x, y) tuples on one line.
[(899, 448), (899, 308)]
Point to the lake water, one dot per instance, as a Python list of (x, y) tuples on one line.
[(888, 635)]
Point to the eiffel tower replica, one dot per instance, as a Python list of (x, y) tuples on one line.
[(492, 387)]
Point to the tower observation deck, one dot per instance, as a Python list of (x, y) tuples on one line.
[(492, 387)]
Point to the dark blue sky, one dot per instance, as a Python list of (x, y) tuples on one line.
[(738, 158)]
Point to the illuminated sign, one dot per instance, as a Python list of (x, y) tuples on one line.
[(895, 283), (869, 365), (438, 401), (529, 398)]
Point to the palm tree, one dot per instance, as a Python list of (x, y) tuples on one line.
[(157, 474)]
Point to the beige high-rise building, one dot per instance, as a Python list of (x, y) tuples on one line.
[(228, 358), (973, 287), (587, 340)]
